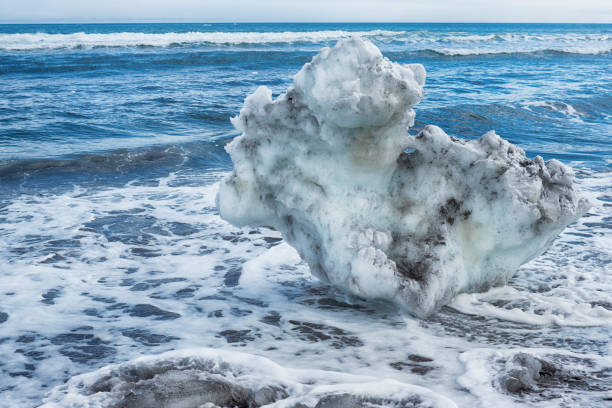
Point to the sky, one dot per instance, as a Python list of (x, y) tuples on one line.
[(596, 11)]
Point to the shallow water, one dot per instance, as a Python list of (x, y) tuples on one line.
[(111, 145)]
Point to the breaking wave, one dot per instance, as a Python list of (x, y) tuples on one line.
[(450, 44), (463, 52), (30, 41)]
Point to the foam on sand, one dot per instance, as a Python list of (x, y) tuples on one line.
[(382, 213)]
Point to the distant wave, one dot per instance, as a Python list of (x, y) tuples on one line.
[(115, 160), (30, 41), (464, 52), (556, 106), (451, 44), (448, 43), (523, 37)]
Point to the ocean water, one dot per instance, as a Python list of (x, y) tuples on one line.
[(111, 146)]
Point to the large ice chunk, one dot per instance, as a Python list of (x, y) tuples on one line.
[(373, 209)]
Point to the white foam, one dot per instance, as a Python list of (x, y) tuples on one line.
[(507, 43), (533, 308), (369, 340), (556, 106), (261, 273)]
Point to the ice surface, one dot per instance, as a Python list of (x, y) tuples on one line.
[(373, 209), (554, 377), (216, 378)]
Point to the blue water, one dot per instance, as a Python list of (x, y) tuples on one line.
[(92, 115)]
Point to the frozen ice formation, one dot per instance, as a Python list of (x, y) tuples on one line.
[(380, 212), (558, 377), (209, 378)]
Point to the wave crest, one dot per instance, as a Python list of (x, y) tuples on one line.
[(447, 43), (31, 41)]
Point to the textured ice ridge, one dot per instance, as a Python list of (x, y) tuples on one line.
[(382, 213), (210, 378)]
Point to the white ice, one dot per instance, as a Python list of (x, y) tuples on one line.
[(375, 210), (554, 377), (213, 378)]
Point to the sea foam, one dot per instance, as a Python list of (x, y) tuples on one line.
[(375, 210)]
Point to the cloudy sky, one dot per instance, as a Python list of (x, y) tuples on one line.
[(308, 10)]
